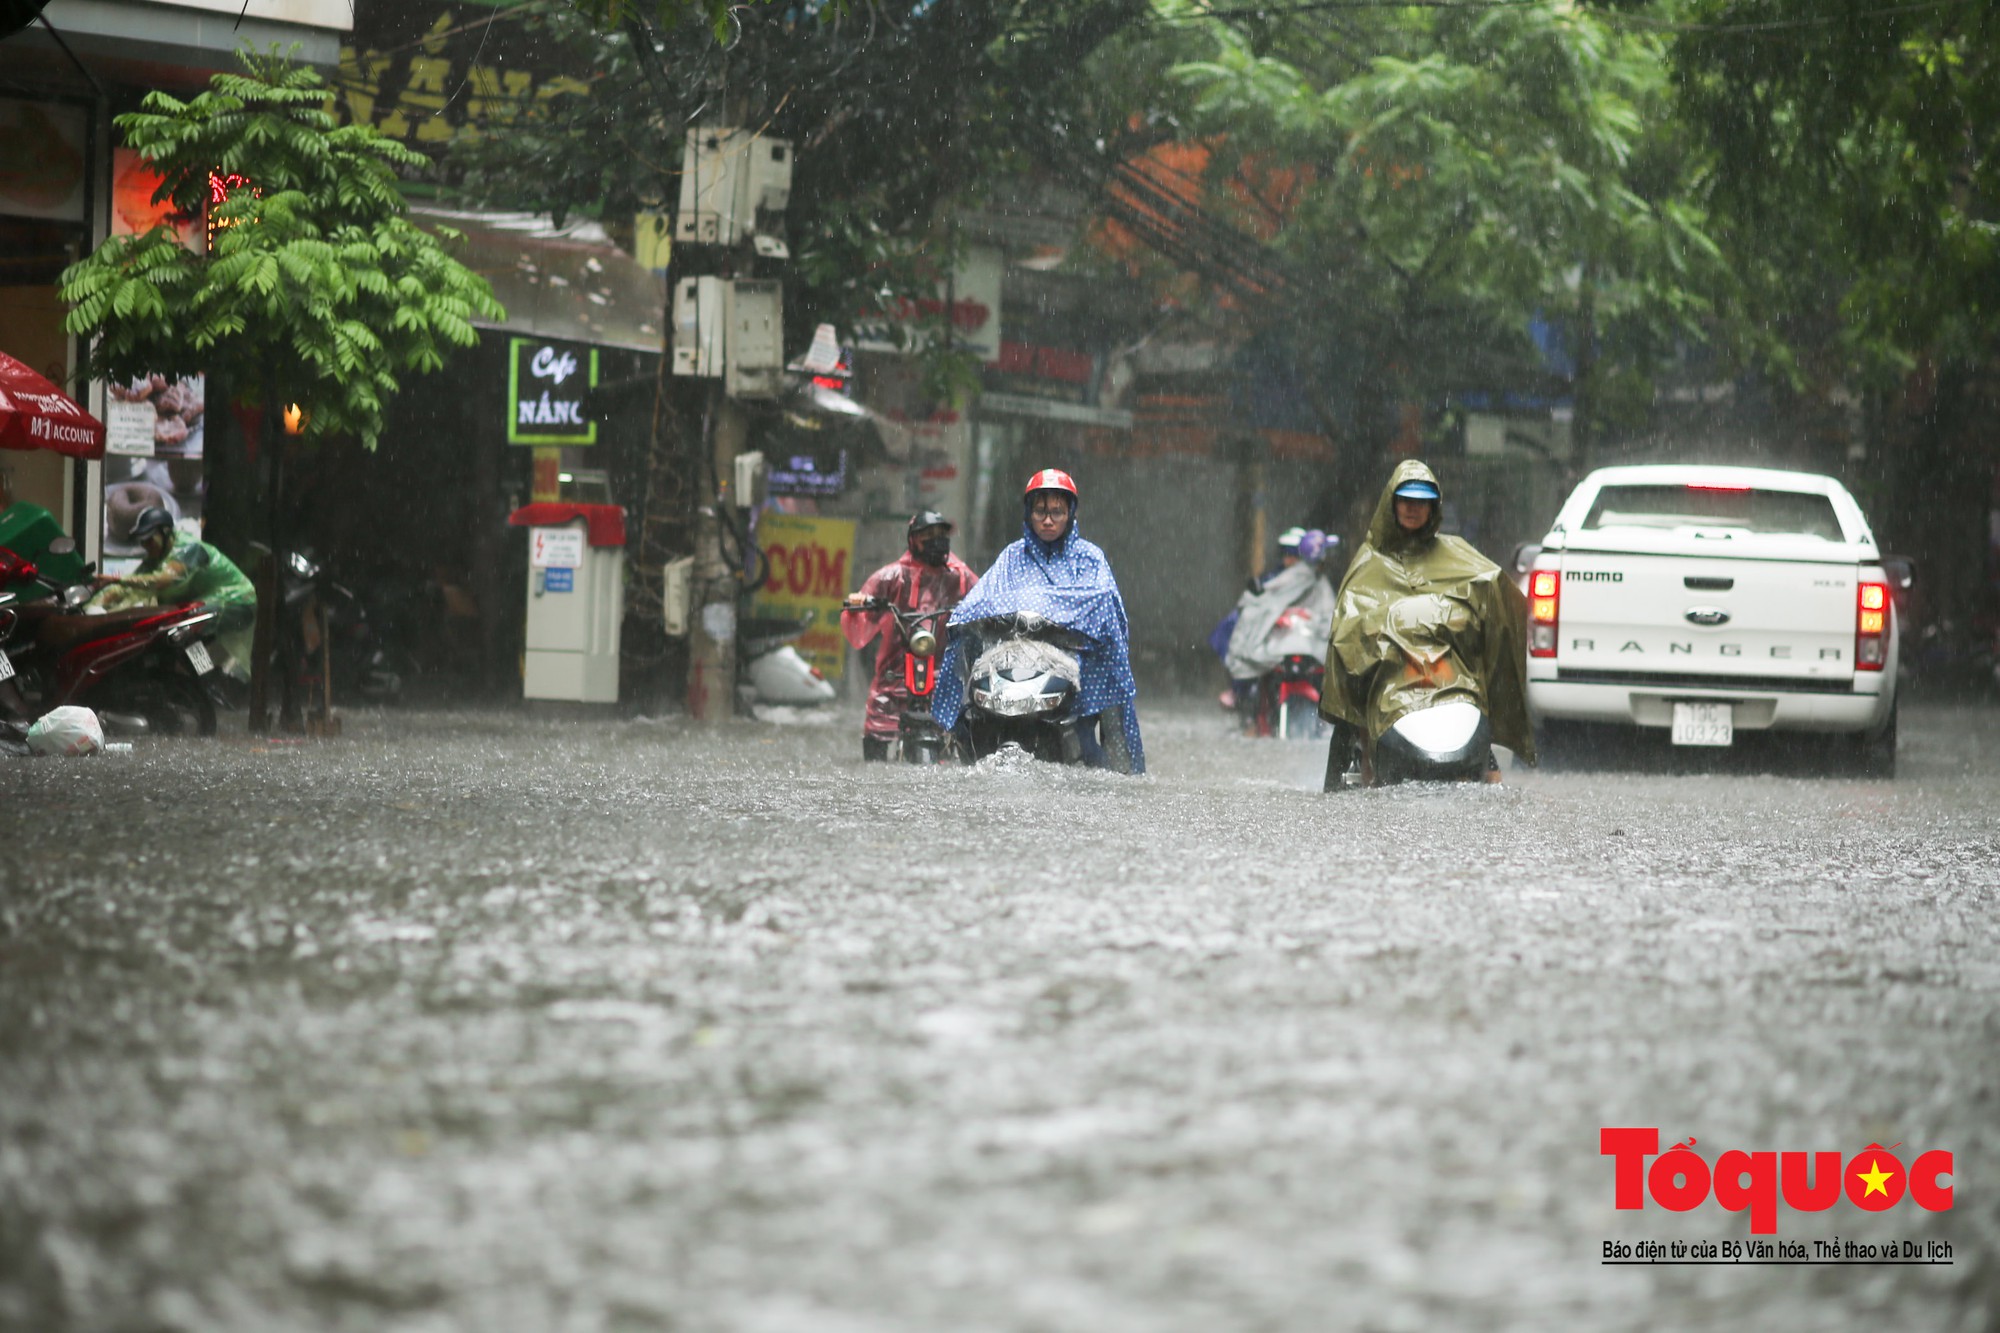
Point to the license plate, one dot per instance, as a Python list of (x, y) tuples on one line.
[(198, 658), (6, 667), (1703, 724)]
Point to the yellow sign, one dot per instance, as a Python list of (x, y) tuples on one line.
[(811, 567)]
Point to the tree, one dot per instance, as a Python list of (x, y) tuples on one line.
[(892, 110), (316, 288), (1465, 173), (1857, 189)]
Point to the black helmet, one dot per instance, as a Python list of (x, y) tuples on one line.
[(151, 519), (933, 550)]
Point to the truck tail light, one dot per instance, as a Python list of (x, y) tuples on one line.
[(1871, 628), (1544, 600)]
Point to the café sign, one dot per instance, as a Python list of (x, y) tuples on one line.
[(548, 392)]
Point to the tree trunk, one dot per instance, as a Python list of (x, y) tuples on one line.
[(1583, 390), (270, 583), (712, 637)]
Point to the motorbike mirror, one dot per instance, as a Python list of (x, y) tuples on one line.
[(1524, 556)]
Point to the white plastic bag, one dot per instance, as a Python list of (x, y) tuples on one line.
[(66, 730)]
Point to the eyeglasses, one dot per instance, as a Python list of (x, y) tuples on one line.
[(1050, 509)]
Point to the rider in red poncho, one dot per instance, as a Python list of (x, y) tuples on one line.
[(926, 577)]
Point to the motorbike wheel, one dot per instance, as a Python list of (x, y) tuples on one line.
[(1301, 720), (172, 704)]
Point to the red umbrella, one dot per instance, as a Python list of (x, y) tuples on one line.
[(35, 414)]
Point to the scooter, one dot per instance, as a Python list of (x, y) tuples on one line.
[(1447, 739), (1022, 687), (770, 671), (918, 735), (140, 669)]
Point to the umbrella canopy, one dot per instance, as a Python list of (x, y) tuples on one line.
[(35, 414), (18, 14)]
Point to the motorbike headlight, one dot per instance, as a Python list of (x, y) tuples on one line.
[(923, 643)]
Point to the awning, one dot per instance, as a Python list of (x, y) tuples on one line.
[(35, 414), (567, 282)]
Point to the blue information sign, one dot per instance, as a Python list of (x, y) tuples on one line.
[(558, 580)]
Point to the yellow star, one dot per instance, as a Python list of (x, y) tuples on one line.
[(1876, 1177)]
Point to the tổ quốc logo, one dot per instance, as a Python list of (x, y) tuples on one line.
[(1875, 1179)]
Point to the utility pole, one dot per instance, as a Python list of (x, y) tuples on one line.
[(712, 633), (726, 329)]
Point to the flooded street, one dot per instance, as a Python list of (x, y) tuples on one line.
[(471, 1021)]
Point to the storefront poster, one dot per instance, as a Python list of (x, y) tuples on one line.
[(810, 567), (155, 416), (154, 426)]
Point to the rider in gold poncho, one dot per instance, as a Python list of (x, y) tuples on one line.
[(1424, 619)]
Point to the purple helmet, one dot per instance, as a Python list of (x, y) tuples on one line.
[(1313, 544)]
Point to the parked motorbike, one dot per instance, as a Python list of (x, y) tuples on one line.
[(1022, 687), (770, 671), (1287, 700), (319, 610), (141, 670), (918, 735)]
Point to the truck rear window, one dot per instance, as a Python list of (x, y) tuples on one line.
[(1778, 512)]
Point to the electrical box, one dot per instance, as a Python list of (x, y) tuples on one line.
[(699, 326), (754, 345), (727, 175), (751, 476), (576, 606), (677, 578), (770, 180)]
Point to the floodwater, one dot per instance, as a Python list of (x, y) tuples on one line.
[(488, 1022)]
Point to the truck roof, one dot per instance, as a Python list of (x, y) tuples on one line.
[(1685, 474), (1568, 527)]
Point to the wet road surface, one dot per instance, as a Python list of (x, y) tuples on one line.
[(483, 1022)]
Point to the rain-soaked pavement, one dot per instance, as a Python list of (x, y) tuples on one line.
[(482, 1022)]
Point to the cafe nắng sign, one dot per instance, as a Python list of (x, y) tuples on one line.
[(548, 392)]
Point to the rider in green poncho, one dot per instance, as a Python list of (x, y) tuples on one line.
[(175, 573), (1424, 619)]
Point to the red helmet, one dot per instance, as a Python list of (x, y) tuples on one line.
[(1051, 479)]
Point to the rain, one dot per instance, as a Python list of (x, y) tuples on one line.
[(473, 856)]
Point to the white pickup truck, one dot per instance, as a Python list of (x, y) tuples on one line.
[(1708, 601)]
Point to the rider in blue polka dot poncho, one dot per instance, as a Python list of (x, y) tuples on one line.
[(1055, 573)]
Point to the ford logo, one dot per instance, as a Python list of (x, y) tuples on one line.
[(1708, 615)]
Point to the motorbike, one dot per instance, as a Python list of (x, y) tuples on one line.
[(141, 670), (918, 735), (770, 671), (321, 613), (1287, 698), (1448, 740), (1022, 687)]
